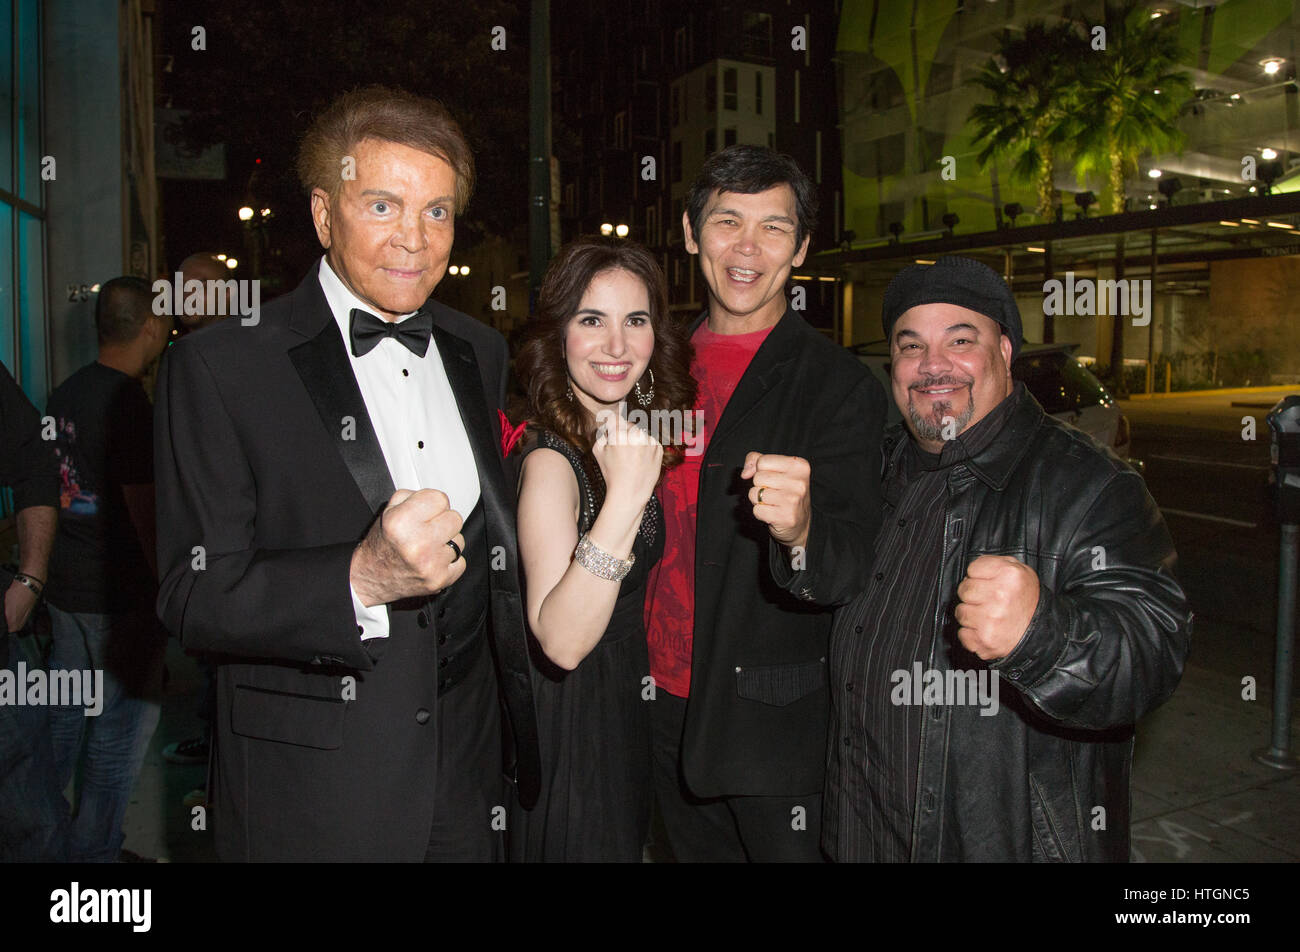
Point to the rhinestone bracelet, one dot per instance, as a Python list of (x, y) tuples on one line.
[(599, 562)]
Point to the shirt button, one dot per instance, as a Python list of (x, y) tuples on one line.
[(360, 630), (901, 523), (421, 716), (406, 373), (442, 662), (858, 629), (1014, 674), (848, 686), (420, 444), (442, 611), (422, 619), (880, 576), (848, 741), (442, 639)]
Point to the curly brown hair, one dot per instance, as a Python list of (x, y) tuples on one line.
[(540, 364)]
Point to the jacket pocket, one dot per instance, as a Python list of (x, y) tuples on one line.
[(1048, 846), (780, 684), (301, 719)]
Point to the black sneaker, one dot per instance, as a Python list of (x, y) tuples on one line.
[(187, 752)]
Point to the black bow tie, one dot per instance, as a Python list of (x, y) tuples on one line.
[(367, 331)]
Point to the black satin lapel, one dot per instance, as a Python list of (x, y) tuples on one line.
[(461, 365), (322, 363)]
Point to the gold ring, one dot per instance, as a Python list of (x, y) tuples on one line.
[(760, 494)]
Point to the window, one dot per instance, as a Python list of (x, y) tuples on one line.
[(710, 141), (710, 91), (22, 200), (758, 92), (677, 161), (771, 140), (651, 225), (730, 98), (675, 106), (620, 130), (570, 199), (679, 46), (756, 34), (728, 137)]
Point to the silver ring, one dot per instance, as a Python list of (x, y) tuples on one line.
[(455, 548)]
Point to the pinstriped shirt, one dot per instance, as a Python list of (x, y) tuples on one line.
[(874, 743)]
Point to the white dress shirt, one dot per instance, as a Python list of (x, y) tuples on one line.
[(415, 416)]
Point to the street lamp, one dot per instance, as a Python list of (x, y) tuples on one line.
[(621, 231), (245, 214), (607, 229), (232, 263), (454, 269), (464, 271)]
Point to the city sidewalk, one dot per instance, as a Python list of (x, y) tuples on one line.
[(1197, 794)]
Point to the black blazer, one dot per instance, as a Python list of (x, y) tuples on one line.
[(758, 709), (268, 474)]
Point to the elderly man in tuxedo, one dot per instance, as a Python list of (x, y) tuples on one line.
[(335, 524)]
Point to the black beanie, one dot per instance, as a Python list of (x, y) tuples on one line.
[(953, 280)]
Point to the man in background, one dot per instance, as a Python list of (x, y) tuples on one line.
[(33, 814), (102, 576)]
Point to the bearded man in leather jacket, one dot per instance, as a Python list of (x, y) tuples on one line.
[(1020, 616)]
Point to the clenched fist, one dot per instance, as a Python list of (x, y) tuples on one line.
[(405, 553), (629, 458), (997, 599), (784, 483)]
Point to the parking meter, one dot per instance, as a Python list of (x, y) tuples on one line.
[(1284, 421)]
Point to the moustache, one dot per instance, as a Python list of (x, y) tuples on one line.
[(939, 382)]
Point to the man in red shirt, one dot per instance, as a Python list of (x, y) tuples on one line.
[(783, 476)]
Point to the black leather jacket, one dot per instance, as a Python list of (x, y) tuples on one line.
[(1047, 777)]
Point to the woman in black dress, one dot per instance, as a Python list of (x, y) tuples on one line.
[(600, 353)]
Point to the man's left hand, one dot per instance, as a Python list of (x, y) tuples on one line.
[(784, 482), (19, 602), (996, 600)]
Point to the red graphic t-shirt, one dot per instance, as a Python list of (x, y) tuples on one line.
[(720, 361)]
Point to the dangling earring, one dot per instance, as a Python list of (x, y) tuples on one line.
[(645, 398), (568, 391)]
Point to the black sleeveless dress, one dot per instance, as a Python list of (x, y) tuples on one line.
[(594, 721)]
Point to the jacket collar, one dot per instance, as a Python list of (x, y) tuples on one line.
[(769, 364), (995, 463)]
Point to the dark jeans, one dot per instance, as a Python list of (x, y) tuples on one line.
[(110, 745), (726, 829), (34, 826)]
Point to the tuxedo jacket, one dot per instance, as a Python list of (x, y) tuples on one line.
[(269, 473), (759, 704)]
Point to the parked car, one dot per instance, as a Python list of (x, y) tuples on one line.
[(1065, 388)]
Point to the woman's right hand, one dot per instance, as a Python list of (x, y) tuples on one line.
[(629, 458)]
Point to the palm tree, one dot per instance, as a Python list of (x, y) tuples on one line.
[(1129, 96), (1029, 81)]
